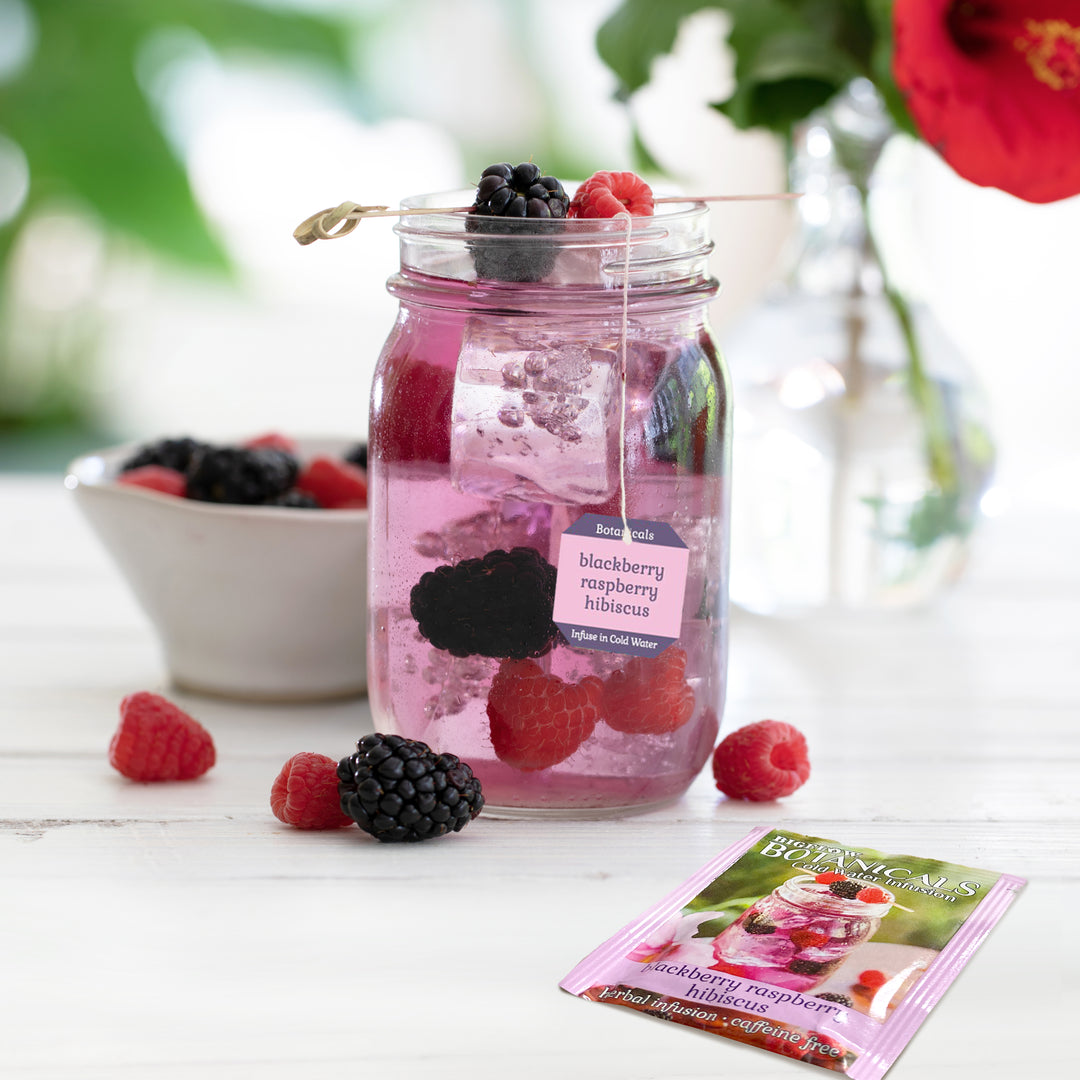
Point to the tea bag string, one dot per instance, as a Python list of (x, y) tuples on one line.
[(624, 327)]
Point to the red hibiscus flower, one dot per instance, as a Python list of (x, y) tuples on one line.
[(994, 86)]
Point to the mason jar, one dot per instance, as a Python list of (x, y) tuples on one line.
[(548, 468), (799, 934)]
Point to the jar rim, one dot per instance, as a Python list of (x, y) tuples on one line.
[(796, 890), (669, 247)]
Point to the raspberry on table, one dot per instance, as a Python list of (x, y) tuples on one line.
[(400, 791), (829, 877), (606, 194), (846, 890), (499, 605), (305, 793), (649, 695), (232, 474), (764, 760), (156, 740), (155, 478), (873, 895), (538, 720), (171, 453), (808, 939), (334, 483), (515, 200), (873, 979)]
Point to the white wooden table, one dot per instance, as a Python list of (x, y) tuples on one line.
[(161, 931)]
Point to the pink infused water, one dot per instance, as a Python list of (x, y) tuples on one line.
[(797, 935), (499, 419)]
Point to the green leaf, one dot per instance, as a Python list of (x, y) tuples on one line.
[(91, 137), (641, 30), (880, 13)]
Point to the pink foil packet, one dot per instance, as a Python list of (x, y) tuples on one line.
[(803, 947)]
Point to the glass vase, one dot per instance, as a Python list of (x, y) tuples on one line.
[(861, 444)]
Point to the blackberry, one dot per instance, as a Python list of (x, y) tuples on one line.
[(756, 924), (357, 455), (807, 967), (499, 605), (236, 475), (297, 500), (848, 890), (400, 790), (840, 999), (170, 453), (515, 201)]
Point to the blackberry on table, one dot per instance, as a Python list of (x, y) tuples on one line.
[(848, 890), (231, 474), (499, 605), (513, 201), (169, 453), (757, 924), (400, 791), (839, 999)]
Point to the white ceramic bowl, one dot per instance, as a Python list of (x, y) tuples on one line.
[(255, 602)]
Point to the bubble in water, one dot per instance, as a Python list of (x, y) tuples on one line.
[(535, 363), (511, 416), (514, 375), (565, 369)]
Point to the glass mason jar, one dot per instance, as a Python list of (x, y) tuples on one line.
[(798, 935), (535, 383)]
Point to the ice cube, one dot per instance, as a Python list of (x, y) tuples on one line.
[(535, 416)]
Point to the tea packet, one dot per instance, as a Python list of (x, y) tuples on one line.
[(802, 946)]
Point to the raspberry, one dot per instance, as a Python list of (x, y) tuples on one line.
[(334, 484), (417, 399), (272, 440), (846, 890), (172, 453), (808, 939), (231, 474), (829, 877), (840, 999), (873, 896), (156, 478), (538, 720), (305, 793), (606, 194), (873, 979), (515, 201), (400, 790), (764, 760), (649, 695), (499, 605), (158, 741)]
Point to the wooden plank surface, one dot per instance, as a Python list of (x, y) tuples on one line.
[(167, 931)]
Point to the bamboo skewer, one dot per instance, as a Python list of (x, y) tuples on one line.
[(337, 221)]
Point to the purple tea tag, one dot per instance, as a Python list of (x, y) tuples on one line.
[(620, 594)]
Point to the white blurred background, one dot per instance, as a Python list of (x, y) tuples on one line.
[(290, 341)]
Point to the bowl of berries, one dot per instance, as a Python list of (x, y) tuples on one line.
[(249, 558)]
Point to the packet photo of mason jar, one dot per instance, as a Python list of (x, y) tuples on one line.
[(804, 947)]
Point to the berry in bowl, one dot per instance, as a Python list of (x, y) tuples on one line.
[(249, 559)]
